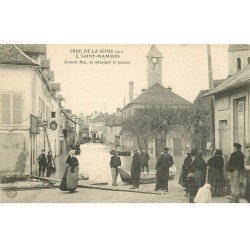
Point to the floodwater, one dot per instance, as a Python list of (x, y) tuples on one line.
[(94, 161)]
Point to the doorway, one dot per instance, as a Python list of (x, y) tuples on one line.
[(224, 139)]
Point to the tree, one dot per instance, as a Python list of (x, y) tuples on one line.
[(152, 120), (149, 121)]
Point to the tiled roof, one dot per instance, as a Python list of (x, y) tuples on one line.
[(200, 95), (237, 80), (159, 94), (238, 47), (113, 119), (45, 63), (55, 86), (33, 48), (154, 52), (11, 54), (99, 118)]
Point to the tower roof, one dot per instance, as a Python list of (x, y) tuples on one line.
[(238, 47), (154, 52)]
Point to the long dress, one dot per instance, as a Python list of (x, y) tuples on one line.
[(185, 171), (216, 175), (70, 178), (200, 169)]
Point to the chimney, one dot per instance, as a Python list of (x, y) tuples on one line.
[(131, 91), (118, 110), (169, 87), (142, 90)]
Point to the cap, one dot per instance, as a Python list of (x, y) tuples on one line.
[(237, 145)]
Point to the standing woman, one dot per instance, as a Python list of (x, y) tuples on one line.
[(185, 171), (200, 169), (70, 178), (216, 174)]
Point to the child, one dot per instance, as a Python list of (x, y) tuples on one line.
[(191, 187), (204, 194)]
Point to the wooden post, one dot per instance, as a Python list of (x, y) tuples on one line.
[(211, 98)]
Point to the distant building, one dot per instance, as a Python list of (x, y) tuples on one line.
[(178, 140), (238, 57), (113, 129), (201, 126), (97, 126)]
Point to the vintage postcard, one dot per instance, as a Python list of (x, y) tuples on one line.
[(148, 123)]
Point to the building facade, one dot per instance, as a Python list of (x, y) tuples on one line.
[(232, 103), (24, 93), (178, 139)]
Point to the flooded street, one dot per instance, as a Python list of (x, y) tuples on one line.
[(94, 161)]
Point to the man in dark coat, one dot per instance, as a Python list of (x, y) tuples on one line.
[(115, 162), (144, 160), (42, 163), (136, 169), (236, 169), (163, 164)]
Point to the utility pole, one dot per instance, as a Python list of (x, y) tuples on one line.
[(211, 98)]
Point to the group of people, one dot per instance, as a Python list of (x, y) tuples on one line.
[(201, 179), (45, 164), (139, 163), (198, 174)]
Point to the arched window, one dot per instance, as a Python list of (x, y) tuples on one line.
[(238, 63)]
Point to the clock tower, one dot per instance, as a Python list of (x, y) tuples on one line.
[(154, 66)]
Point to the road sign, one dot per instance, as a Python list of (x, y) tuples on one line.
[(43, 124), (34, 130)]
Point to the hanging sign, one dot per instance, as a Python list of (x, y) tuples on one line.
[(53, 125)]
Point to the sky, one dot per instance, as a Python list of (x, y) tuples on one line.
[(102, 87)]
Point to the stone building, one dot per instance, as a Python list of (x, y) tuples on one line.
[(97, 126), (178, 139), (232, 103), (28, 104), (113, 128)]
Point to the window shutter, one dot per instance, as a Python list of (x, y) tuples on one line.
[(17, 108), (6, 109)]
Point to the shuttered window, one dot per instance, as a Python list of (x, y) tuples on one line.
[(6, 114), (11, 108), (17, 108)]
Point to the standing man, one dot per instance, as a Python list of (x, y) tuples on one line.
[(115, 162), (236, 169), (144, 160), (136, 169), (163, 164), (42, 163)]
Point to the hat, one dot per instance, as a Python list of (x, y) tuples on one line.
[(72, 152), (237, 145), (165, 149), (135, 149)]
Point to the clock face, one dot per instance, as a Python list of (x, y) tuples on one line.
[(154, 60)]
